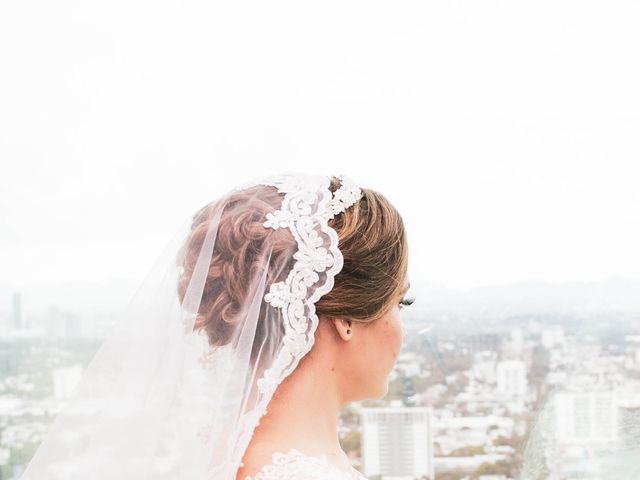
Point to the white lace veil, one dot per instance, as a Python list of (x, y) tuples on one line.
[(178, 388)]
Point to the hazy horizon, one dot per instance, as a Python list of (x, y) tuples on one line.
[(526, 296)]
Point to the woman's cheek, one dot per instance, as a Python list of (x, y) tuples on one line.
[(395, 334)]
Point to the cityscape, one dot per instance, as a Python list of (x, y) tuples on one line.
[(496, 147), (493, 395)]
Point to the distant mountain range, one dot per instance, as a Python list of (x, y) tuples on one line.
[(531, 297)]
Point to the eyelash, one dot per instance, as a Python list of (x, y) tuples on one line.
[(405, 302)]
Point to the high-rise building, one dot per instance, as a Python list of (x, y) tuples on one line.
[(512, 378), (397, 442)]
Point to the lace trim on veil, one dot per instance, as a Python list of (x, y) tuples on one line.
[(298, 307)]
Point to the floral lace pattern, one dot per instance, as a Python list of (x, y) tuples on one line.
[(348, 194), (295, 465)]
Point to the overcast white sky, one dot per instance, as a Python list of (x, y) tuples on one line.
[(506, 133)]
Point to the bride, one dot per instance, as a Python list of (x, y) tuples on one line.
[(236, 354)]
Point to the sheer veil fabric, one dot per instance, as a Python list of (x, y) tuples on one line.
[(227, 312), (588, 430)]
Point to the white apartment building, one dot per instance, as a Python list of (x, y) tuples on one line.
[(397, 442)]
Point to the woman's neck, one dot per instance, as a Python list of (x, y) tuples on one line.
[(304, 410)]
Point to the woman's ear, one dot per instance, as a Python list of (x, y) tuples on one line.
[(343, 327)]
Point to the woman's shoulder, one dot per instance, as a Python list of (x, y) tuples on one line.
[(268, 464)]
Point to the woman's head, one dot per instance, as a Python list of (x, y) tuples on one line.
[(365, 292)]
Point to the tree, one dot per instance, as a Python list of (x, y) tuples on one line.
[(501, 467), (351, 442)]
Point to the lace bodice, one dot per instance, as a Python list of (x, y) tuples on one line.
[(295, 465)]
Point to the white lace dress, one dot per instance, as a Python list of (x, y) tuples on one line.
[(295, 465)]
